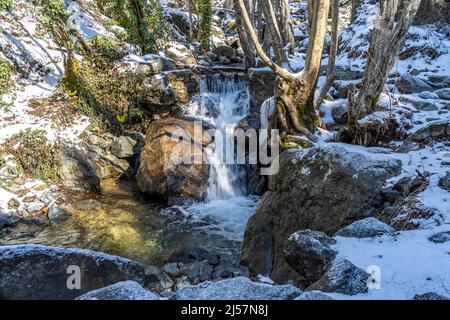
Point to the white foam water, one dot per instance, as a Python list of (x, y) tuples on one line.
[(222, 102)]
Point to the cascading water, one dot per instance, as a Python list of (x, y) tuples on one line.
[(222, 102)]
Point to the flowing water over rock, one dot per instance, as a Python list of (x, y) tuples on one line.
[(120, 221)]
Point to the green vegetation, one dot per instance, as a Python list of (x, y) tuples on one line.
[(4, 4), (35, 155), (142, 20), (6, 72), (106, 47), (204, 10)]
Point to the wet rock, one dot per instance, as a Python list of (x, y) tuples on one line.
[(410, 84), (435, 130), (188, 254), (124, 290), (171, 268), (8, 220), (123, 147), (343, 277), (41, 272), (88, 205), (162, 91), (197, 269), (323, 188), (444, 94), (441, 237), (310, 254), (366, 228), (261, 84), (165, 170), (430, 296), (313, 295), (444, 182), (182, 282), (57, 214), (156, 280), (236, 289)]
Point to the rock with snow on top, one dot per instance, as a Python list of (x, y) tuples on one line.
[(309, 253), (313, 295), (444, 94), (239, 288), (366, 228), (410, 84), (125, 290), (444, 182), (343, 277)]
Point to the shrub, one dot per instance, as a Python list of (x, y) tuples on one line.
[(6, 72), (34, 153)]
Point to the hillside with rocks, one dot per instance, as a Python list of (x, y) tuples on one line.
[(115, 120)]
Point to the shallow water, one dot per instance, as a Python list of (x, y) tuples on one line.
[(120, 222)]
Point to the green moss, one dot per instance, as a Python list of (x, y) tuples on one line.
[(6, 72), (5, 4), (106, 47), (35, 155)]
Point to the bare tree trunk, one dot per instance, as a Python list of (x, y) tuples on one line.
[(285, 23), (387, 39), (273, 36), (333, 52), (245, 39), (293, 93)]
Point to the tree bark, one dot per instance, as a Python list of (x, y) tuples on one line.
[(388, 37), (244, 36), (333, 52)]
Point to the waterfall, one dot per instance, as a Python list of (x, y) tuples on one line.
[(222, 102)]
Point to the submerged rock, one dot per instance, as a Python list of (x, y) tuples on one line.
[(165, 168), (237, 289), (366, 228), (41, 272), (324, 188), (125, 290), (343, 277), (310, 254)]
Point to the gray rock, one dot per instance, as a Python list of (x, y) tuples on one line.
[(366, 228), (441, 237), (197, 269), (430, 296), (124, 290), (340, 113), (41, 272), (123, 147), (8, 220), (408, 146), (237, 289), (444, 94), (182, 282), (436, 129), (323, 188), (57, 214), (410, 84), (310, 254), (35, 206), (444, 182), (171, 268), (224, 51), (343, 277), (188, 254), (156, 280), (428, 95), (313, 295)]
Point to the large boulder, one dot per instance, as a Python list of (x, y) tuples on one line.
[(434, 130), (239, 288), (162, 170), (124, 290), (342, 277), (310, 254), (323, 188), (164, 90), (40, 272)]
